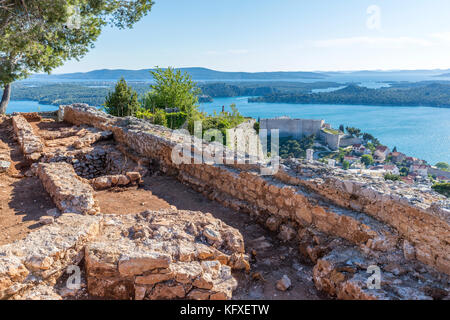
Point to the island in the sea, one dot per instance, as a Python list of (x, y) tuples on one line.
[(409, 94)]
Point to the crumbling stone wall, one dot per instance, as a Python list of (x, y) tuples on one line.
[(69, 192), (36, 262), (153, 255), (424, 223), (287, 203), (32, 146), (164, 255)]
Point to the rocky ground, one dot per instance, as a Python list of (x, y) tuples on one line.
[(24, 201), (73, 195)]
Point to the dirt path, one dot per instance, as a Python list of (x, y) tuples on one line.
[(273, 258), (23, 200)]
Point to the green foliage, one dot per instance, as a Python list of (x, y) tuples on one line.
[(417, 94), (256, 126), (341, 154), (442, 188), (443, 166), (345, 165), (172, 89), (160, 118), (368, 137), (123, 101), (371, 147), (145, 114), (392, 177), (176, 119), (367, 159), (404, 171), (218, 121), (249, 88), (291, 148), (40, 35), (354, 132), (171, 120), (341, 128)]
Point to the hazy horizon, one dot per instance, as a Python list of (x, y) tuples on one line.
[(260, 71)]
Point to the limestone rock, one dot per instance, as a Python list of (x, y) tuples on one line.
[(46, 220), (32, 146), (70, 193), (284, 283), (4, 166), (158, 255)]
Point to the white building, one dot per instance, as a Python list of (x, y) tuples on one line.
[(421, 170)]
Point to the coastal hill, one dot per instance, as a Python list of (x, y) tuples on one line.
[(417, 94), (196, 74)]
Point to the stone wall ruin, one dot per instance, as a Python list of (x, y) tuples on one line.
[(341, 223)]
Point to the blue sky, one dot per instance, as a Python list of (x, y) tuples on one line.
[(272, 35)]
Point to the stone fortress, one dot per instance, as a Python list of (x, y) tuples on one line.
[(342, 224), (298, 128)]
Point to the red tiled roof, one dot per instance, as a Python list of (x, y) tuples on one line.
[(382, 148)]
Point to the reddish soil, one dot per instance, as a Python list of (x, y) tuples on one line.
[(23, 200), (273, 258)]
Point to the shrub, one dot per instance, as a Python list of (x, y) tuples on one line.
[(443, 166), (256, 127), (345, 165), (392, 177), (176, 119), (367, 159), (123, 101), (160, 118), (144, 114), (442, 188)]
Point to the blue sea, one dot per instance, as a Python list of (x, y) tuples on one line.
[(28, 106), (422, 132)]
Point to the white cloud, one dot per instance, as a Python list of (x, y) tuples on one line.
[(441, 36), (374, 42)]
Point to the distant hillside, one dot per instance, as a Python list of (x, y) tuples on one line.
[(445, 75), (196, 73), (433, 95)]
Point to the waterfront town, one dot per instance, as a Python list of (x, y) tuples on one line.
[(358, 152)]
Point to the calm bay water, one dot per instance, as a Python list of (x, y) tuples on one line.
[(28, 106), (422, 132)]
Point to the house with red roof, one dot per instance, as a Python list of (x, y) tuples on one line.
[(392, 169), (421, 170), (397, 157), (381, 152)]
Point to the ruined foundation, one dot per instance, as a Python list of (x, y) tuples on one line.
[(341, 224)]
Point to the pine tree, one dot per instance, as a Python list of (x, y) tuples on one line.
[(123, 101), (40, 35)]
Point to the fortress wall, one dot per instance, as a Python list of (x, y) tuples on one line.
[(310, 127), (297, 128), (350, 141), (281, 202), (331, 140), (438, 172)]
